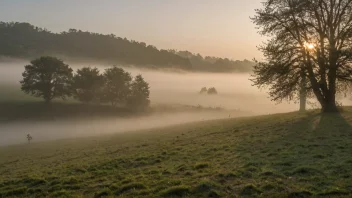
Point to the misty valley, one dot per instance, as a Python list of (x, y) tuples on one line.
[(176, 99)]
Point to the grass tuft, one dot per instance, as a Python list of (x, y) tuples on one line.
[(103, 193), (131, 186), (301, 194), (13, 192), (176, 191), (199, 166), (250, 190)]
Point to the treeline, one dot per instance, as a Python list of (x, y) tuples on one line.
[(23, 40), (215, 64), (49, 78)]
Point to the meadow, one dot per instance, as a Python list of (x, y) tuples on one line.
[(282, 155)]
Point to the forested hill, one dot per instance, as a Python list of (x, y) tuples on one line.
[(23, 40)]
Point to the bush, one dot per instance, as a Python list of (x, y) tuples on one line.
[(212, 91), (203, 90)]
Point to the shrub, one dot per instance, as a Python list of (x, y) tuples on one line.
[(212, 91), (203, 90)]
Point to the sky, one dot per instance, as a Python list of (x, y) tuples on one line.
[(210, 27)]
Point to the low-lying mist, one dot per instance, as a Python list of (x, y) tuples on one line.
[(52, 130), (167, 88), (235, 90)]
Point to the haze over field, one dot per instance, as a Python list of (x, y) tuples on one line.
[(235, 90), (167, 88), (176, 98)]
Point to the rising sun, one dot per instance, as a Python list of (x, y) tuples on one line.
[(309, 46)]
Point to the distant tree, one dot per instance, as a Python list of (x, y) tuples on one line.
[(212, 91), (203, 90), (116, 89), (87, 84), (29, 138), (139, 97), (47, 77)]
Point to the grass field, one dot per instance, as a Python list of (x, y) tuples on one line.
[(283, 155)]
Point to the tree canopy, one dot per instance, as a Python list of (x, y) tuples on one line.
[(313, 37), (212, 91), (87, 84), (24, 40), (47, 77), (117, 83), (139, 96), (215, 64)]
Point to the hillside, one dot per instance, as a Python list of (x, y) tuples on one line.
[(23, 40), (283, 155)]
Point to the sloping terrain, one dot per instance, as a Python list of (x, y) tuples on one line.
[(282, 155)]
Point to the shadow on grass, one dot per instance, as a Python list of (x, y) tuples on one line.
[(311, 155)]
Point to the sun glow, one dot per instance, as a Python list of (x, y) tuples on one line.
[(309, 46)]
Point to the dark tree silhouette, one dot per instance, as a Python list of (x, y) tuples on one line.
[(212, 91), (203, 90), (87, 84), (116, 88), (26, 41), (215, 64), (307, 36), (29, 138), (139, 97), (47, 77)]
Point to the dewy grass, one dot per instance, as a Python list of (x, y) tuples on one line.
[(283, 155)]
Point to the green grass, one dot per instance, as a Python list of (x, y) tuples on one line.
[(283, 155)]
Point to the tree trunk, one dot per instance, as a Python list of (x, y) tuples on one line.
[(303, 92), (329, 104), (329, 107)]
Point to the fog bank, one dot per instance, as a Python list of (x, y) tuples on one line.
[(43, 131), (234, 93)]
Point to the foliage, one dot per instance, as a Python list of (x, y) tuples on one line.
[(313, 37), (203, 90), (117, 83), (29, 138), (139, 96), (47, 77), (212, 91), (87, 84), (26, 41), (215, 64)]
